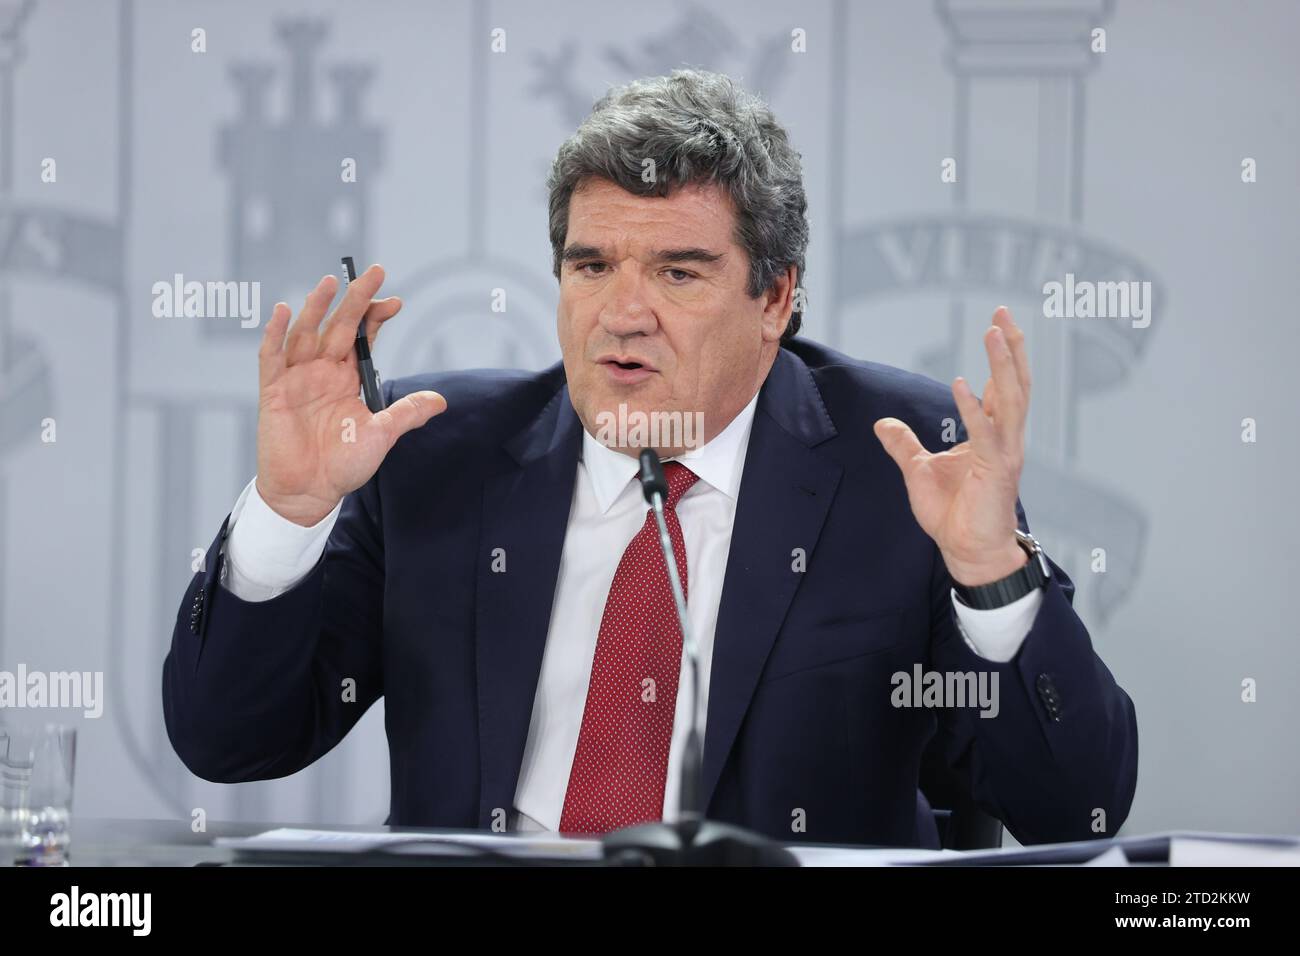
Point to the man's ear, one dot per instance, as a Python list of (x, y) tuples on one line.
[(778, 303)]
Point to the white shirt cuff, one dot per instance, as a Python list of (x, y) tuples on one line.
[(267, 554), (997, 634)]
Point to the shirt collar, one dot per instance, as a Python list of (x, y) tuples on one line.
[(719, 462)]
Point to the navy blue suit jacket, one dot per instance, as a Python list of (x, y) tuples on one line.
[(801, 728)]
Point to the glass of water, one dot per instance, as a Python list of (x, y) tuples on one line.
[(37, 762)]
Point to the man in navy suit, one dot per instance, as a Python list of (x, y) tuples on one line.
[(859, 573)]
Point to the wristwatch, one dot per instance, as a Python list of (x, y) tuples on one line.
[(986, 597)]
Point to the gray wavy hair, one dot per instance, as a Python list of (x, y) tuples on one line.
[(697, 127)]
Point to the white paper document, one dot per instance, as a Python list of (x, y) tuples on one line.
[(518, 846)]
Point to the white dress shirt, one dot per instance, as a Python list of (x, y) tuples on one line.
[(267, 555)]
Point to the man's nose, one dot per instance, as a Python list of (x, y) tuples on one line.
[(626, 310)]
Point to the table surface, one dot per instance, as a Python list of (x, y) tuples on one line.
[(102, 842), (136, 842), (121, 842)]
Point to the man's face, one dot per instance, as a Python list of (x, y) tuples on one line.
[(654, 311)]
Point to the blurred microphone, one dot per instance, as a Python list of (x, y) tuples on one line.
[(655, 489)]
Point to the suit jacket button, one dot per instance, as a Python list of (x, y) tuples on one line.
[(1051, 699), (196, 611)]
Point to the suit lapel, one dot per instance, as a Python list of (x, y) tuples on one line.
[(784, 496), (525, 514)]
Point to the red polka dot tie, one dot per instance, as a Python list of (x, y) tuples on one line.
[(621, 764)]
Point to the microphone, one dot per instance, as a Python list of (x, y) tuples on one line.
[(692, 840), (654, 486), (652, 478)]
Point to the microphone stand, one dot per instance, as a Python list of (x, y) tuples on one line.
[(691, 840)]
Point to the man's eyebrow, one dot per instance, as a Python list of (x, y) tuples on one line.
[(691, 254), (575, 253)]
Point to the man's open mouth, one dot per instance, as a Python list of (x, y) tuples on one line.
[(627, 364)]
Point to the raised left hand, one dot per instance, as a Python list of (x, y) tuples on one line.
[(965, 498)]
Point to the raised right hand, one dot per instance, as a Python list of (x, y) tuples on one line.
[(316, 440)]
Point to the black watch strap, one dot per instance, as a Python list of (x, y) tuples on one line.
[(995, 594)]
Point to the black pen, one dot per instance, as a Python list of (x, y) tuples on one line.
[(370, 389)]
